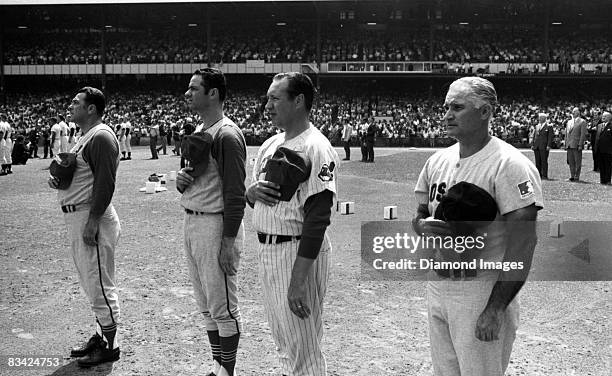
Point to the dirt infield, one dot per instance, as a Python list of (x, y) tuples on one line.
[(372, 328)]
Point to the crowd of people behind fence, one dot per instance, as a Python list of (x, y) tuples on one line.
[(400, 120), (297, 45)]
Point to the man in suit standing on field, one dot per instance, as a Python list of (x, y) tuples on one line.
[(542, 142), (603, 148), (575, 134)]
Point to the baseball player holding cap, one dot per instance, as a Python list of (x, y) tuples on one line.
[(93, 225), (213, 190), (292, 212), (473, 317)]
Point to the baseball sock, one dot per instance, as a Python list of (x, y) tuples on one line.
[(129, 155), (229, 348), (123, 153), (215, 344), (109, 334)]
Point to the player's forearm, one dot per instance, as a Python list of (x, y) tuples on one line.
[(422, 213), (520, 243), (301, 269)]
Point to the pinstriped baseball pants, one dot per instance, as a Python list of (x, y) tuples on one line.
[(96, 264), (214, 291), (298, 340)]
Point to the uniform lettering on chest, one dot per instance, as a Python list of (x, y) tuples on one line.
[(437, 191)]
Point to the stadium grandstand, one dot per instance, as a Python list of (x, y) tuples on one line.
[(387, 62)]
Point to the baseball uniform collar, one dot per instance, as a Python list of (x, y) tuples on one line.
[(482, 154)]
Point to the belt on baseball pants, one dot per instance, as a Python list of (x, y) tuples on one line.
[(275, 239), (73, 208), (193, 212), (457, 273)]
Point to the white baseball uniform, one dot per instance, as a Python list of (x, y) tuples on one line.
[(298, 340), (64, 131), (126, 137), (5, 155), (56, 130), (454, 306)]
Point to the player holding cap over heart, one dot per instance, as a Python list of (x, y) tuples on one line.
[(213, 189), (294, 185)]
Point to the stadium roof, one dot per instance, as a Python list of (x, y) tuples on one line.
[(137, 13)]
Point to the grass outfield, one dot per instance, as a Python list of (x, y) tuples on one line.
[(372, 328)]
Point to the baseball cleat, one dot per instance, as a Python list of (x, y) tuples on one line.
[(98, 356), (87, 347)]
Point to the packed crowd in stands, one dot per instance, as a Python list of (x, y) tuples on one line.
[(396, 116), (297, 45)]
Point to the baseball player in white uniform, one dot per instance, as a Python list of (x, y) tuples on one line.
[(294, 251), (126, 139), (56, 132), (473, 319), (64, 132), (92, 222), (6, 146)]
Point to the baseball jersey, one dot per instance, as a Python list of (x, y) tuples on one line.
[(287, 217), (126, 126), (57, 130), (64, 130), (498, 168), (81, 188)]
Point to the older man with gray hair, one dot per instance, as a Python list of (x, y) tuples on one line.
[(473, 313), (541, 144), (575, 135)]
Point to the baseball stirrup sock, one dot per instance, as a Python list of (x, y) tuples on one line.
[(109, 334), (229, 348), (215, 344)]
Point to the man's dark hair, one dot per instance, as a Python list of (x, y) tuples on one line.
[(213, 78), (96, 97), (298, 83)]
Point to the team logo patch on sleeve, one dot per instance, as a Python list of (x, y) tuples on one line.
[(526, 189), (326, 173)]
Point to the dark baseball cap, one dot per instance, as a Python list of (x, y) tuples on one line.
[(196, 150), (288, 168), (466, 203), (62, 168)]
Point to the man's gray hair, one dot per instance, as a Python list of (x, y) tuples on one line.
[(543, 114), (481, 91)]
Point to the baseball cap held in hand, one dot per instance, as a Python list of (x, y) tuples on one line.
[(288, 168), (62, 168), (466, 202), (196, 150)]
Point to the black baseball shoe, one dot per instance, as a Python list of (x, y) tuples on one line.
[(100, 354), (87, 347)]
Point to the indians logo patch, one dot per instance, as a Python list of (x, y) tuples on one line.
[(326, 173), (526, 189)]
